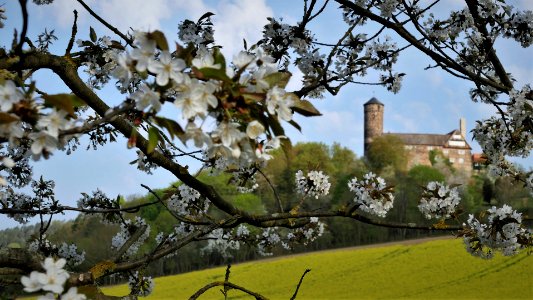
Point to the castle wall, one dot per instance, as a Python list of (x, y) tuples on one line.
[(419, 155), (460, 158)]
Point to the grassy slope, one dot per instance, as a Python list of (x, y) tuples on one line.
[(430, 270)]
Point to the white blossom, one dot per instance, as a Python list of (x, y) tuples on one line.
[(187, 202), (52, 280), (279, 103), (438, 200), (9, 95), (228, 133), (167, 68), (12, 131), (41, 141), (194, 97), (122, 69), (32, 283), (206, 60), (144, 53), (197, 135), (254, 129), (8, 162), (145, 97), (243, 59), (72, 294), (124, 234), (502, 232), (372, 194), (55, 121), (387, 8), (262, 153), (315, 184), (222, 242)]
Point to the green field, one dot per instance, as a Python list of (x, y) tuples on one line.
[(439, 269)]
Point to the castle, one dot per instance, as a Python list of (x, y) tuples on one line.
[(452, 145)]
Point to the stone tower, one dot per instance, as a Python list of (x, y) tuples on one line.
[(373, 121)]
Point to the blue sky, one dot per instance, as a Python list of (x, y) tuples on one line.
[(430, 101)]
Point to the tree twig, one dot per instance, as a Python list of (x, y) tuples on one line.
[(299, 284), (73, 35), (106, 24), (24, 8), (133, 238), (229, 284)]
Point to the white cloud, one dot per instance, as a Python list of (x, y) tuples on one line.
[(238, 19), (123, 14), (192, 9), (401, 123), (61, 12), (295, 83), (139, 14)]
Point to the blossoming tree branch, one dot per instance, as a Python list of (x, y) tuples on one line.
[(232, 112)]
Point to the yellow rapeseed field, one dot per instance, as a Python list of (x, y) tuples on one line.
[(439, 269)]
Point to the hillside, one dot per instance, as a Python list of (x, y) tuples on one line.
[(430, 270)]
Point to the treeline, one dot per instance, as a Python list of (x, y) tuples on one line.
[(341, 164)]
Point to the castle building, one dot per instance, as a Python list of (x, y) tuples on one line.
[(452, 145)]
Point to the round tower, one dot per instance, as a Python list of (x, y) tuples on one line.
[(373, 120)]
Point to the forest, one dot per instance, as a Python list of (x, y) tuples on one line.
[(478, 192)]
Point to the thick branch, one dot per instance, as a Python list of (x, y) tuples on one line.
[(487, 44), (402, 32)]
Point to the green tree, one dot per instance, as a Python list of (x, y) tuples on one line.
[(387, 151)]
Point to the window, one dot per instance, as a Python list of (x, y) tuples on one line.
[(452, 160), (445, 151), (408, 147), (430, 148), (461, 160), (461, 151)]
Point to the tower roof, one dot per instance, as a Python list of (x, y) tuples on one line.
[(373, 100)]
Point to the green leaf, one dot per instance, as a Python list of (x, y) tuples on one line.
[(66, 102), (86, 44), (117, 45), (274, 124), (153, 138), (219, 59), (210, 73), (160, 39), (305, 108), (205, 16), (295, 125), (7, 118), (173, 128), (279, 79), (185, 53), (92, 34), (286, 146), (250, 98)]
